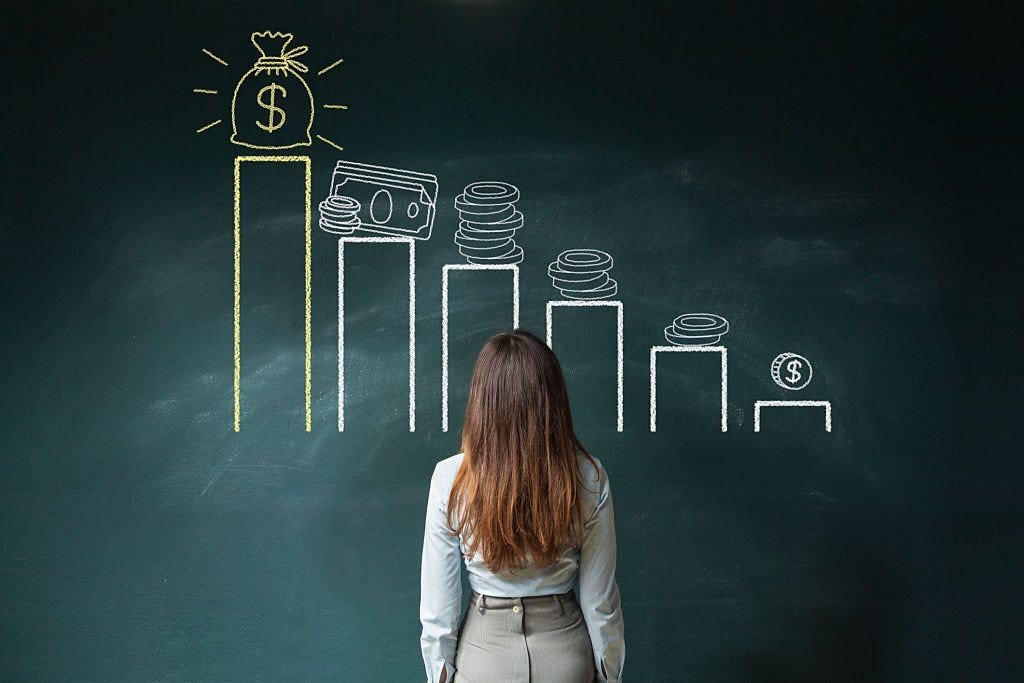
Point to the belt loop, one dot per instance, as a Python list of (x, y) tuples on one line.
[(558, 601), (480, 604)]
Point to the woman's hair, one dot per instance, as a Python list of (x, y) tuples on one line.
[(516, 489)]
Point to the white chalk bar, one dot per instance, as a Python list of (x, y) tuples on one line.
[(341, 321), (827, 405), (617, 305), (447, 268), (689, 349)]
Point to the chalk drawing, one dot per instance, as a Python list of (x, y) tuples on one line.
[(447, 268), (276, 85), (697, 329), (327, 68), (333, 144), (827, 405), (341, 321), (339, 215), (791, 371), (391, 201), (488, 220), (582, 274), (214, 57), (655, 350), (308, 277), (617, 305), (272, 106), (203, 129)]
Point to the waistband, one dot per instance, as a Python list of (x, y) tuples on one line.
[(483, 602)]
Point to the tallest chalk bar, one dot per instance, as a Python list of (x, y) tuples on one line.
[(307, 172), (392, 202)]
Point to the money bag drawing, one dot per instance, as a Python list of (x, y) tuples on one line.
[(272, 107)]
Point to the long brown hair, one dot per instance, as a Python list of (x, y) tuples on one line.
[(516, 490)]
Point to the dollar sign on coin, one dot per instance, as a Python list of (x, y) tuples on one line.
[(796, 365), (794, 371), (272, 123)]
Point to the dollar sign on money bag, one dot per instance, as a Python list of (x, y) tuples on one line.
[(271, 125), (793, 367), (272, 107)]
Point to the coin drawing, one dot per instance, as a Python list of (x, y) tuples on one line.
[(488, 220), (697, 329), (791, 371), (582, 274)]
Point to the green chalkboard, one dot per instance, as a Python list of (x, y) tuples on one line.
[(837, 182)]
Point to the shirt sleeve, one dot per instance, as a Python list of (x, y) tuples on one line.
[(440, 587), (599, 592)]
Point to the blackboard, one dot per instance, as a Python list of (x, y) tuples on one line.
[(836, 181)]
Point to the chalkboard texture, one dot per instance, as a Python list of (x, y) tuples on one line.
[(839, 181)]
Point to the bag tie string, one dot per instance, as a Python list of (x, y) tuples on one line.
[(287, 60)]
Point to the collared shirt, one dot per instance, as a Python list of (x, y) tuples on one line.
[(593, 566)]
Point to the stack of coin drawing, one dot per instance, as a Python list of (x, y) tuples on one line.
[(488, 219), (697, 329), (583, 274), (339, 215)]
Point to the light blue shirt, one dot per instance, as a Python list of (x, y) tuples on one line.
[(593, 566)]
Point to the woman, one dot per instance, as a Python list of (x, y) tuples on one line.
[(529, 512)]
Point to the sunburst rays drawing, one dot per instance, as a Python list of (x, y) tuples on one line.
[(272, 106)]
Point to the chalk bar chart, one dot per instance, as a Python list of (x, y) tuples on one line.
[(655, 350), (412, 321), (617, 305), (827, 405), (308, 317), (445, 270)]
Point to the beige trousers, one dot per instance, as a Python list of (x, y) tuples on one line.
[(536, 639)]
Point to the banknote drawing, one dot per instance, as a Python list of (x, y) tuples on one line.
[(380, 200)]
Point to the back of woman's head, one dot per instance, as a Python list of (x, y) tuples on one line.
[(515, 497)]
